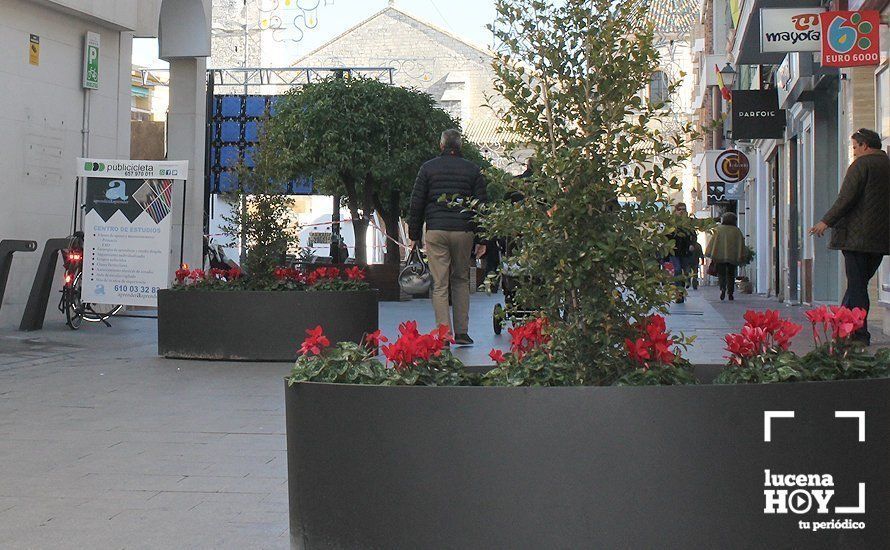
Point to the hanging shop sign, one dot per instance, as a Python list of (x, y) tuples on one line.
[(851, 38), (756, 115), (716, 193), (127, 229), (784, 30), (731, 166)]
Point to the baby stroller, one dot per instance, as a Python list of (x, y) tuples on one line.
[(510, 281)]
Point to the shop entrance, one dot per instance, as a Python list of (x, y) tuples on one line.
[(794, 226), (775, 199)]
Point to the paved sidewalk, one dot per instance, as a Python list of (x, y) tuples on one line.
[(105, 445)]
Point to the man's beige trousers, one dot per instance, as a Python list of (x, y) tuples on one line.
[(448, 253)]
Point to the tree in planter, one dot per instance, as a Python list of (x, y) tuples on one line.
[(593, 226), (360, 139), (264, 221)]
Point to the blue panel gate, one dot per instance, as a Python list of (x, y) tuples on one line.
[(234, 126)]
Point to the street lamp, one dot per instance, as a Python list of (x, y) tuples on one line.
[(728, 74)]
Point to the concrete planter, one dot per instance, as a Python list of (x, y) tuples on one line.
[(257, 325), (585, 467)]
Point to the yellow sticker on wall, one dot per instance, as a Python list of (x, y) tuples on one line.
[(34, 50)]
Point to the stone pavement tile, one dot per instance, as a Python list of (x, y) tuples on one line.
[(254, 441), (268, 465), (231, 484)]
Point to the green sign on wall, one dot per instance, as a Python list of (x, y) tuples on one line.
[(91, 61)]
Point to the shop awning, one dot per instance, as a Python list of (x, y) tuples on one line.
[(748, 39)]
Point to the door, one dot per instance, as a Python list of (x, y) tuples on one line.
[(775, 207), (793, 227)]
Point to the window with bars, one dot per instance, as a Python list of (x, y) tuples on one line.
[(659, 88)]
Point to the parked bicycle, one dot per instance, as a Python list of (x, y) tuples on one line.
[(75, 310)]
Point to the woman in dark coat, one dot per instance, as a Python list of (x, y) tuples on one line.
[(726, 249)]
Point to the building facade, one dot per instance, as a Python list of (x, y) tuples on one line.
[(49, 119), (795, 177)]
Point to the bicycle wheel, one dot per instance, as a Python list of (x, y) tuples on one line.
[(72, 305), (97, 313)]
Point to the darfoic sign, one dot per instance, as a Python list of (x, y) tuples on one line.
[(756, 115)]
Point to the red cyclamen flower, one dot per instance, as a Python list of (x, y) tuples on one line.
[(654, 344), (355, 274), (375, 338), (182, 275), (497, 356), (315, 342), (529, 336), (412, 348)]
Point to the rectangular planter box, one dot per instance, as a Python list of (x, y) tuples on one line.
[(585, 467), (257, 325), (383, 278)]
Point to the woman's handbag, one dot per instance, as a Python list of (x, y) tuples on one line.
[(415, 279), (712, 269)]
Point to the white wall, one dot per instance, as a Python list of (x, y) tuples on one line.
[(42, 119)]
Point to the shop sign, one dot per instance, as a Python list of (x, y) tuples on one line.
[(851, 38), (127, 229), (785, 30), (716, 193), (731, 166), (756, 115)]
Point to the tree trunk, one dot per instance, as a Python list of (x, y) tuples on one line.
[(390, 215), (393, 252), (360, 227)]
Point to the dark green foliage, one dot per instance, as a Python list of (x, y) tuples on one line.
[(538, 368), (571, 75), (360, 139), (677, 373), (845, 363), (350, 363), (772, 368), (261, 219)]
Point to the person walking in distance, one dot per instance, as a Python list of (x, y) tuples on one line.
[(450, 229), (727, 250), (682, 257), (860, 220)]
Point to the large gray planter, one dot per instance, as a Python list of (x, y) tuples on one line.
[(587, 467), (257, 325)]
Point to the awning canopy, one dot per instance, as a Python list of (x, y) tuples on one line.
[(748, 38)]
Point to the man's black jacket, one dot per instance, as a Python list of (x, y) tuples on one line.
[(448, 175)]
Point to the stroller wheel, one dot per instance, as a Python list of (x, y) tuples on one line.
[(498, 318)]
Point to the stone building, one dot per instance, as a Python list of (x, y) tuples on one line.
[(674, 21), (456, 73)]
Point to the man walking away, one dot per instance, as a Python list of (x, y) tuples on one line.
[(450, 230), (860, 220)]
